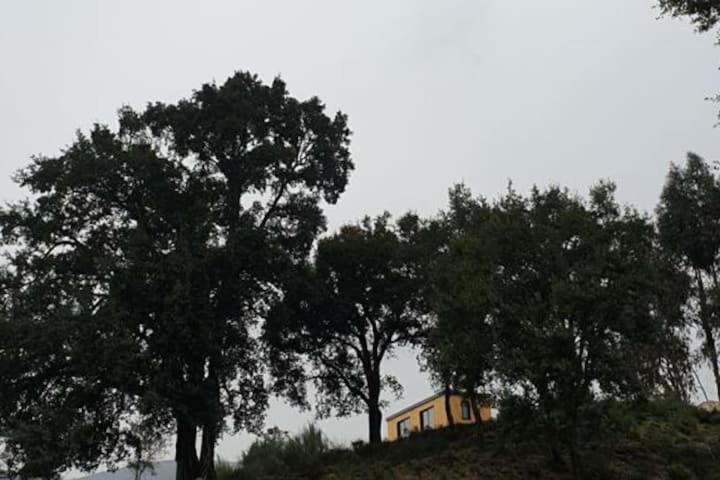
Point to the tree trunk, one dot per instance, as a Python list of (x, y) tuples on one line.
[(375, 425), (213, 419), (207, 452), (706, 321), (374, 413), (187, 464), (448, 408)]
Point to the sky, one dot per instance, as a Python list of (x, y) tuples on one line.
[(437, 92)]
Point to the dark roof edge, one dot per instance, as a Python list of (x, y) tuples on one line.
[(433, 397), (417, 404)]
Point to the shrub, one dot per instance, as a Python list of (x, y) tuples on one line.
[(277, 455), (678, 471), (225, 470)]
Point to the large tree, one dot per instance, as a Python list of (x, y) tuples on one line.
[(579, 291), (145, 260), (550, 293), (360, 300), (459, 347), (689, 224)]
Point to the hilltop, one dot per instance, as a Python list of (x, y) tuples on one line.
[(656, 441)]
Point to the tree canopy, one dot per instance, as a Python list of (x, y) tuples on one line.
[(689, 224), (548, 294), (143, 263), (360, 300)]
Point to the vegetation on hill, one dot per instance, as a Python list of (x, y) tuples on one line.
[(163, 279), (644, 440)]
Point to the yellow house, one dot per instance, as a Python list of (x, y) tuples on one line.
[(431, 413)]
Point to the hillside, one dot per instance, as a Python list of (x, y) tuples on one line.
[(659, 441), (160, 471)]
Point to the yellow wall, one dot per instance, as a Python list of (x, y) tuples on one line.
[(438, 403)]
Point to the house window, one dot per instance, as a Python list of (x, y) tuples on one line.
[(403, 428), (427, 419), (465, 410)]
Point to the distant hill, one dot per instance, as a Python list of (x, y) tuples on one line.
[(163, 471)]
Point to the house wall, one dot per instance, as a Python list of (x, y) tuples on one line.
[(441, 420)]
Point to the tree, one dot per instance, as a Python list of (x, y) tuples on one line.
[(549, 294), (459, 348), (146, 445), (689, 224), (578, 291), (704, 14), (147, 258), (359, 301), (70, 371)]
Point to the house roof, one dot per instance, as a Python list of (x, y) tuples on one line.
[(416, 405), (484, 399)]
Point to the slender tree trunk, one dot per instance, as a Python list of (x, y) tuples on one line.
[(700, 384), (705, 320), (374, 413), (207, 452), (211, 424), (448, 407), (375, 425), (187, 464)]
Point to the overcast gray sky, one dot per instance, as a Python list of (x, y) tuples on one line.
[(437, 92)]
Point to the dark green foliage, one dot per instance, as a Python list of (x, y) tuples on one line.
[(550, 294), (689, 225), (279, 456), (579, 289), (460, 349), (357, 302), (664, 439), (143, 265), (704, 14), (225, 470), (684, 436)]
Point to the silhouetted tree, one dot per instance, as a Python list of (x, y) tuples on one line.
[(551, 294), (145, 261), (689, 224), (578, 293), (459, 348), (359, 301)]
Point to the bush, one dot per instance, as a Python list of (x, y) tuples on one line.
[(678, 471), (225, 470), (518, 416), (278, 455)]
